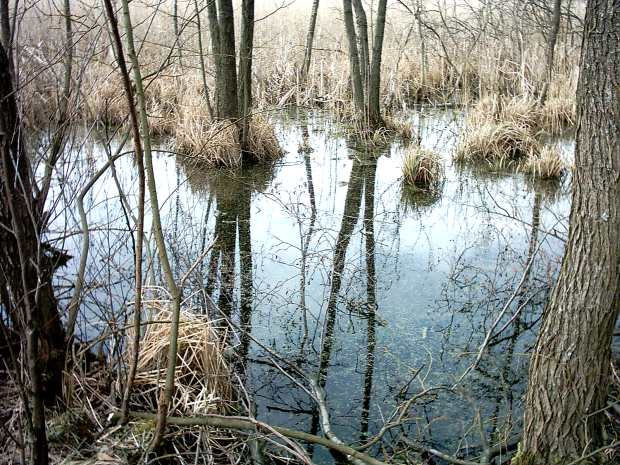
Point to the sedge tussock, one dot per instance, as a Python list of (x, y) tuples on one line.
[(545, 164), (399, 127), (214, 143), (495, 143), (203, 379), (422, 168), (262, 141)]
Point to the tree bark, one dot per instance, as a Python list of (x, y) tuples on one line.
[(28, 272), (201, 57), (570, 368), (364, 50), (246, 45), (374, 110), (354, 58), (175, 293), (309, 41), (553, 37), (365, 70), (228, 107), (214, 30)]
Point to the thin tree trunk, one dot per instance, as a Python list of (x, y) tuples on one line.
[(216, 50), (570, 368), (364, 49), (175, 28), (374, 110), (553, 37), (246, 45), (201, 55), (309, 41), (135, 126), (354, 59), (175, 293), (6, 36)]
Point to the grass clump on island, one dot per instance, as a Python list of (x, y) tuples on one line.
[(422, 169), (547, 163), (506, 132)]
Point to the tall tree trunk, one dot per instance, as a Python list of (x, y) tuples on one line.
[(176, 30), (201, 57), (5, 34), (309, 41), (354, 58), (216, 51), (135, 127), (228, 107), (374, 110), (246, 45), (364, 50), (553, 37), (570, 367)]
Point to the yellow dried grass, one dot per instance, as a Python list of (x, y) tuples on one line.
[(203, 379), (545, 164), (399, 127), (495, 143), (262, 141), (422, 168)]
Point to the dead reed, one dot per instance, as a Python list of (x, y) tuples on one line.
[(422, 169), (203, 379), (496, 143), (545, 164)]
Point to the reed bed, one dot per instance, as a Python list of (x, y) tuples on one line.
[(437, 71)]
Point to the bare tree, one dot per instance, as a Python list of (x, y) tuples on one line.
[(550, 52), (309, 40), (365, 70), (233, 86)]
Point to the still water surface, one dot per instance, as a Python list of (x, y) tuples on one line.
[(376, 292)]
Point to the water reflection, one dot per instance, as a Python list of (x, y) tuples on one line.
[(320, 260)]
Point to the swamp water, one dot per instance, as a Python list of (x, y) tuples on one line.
[(377, 292)]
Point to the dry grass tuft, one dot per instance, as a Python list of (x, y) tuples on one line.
[(217, 143), (401, 128), (558, 114), (262, 141), (210, 143), (495, 143), (422, 169), (203, 379), (545, 164), (104, 97)]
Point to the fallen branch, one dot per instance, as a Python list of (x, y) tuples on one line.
[(244, 423)]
